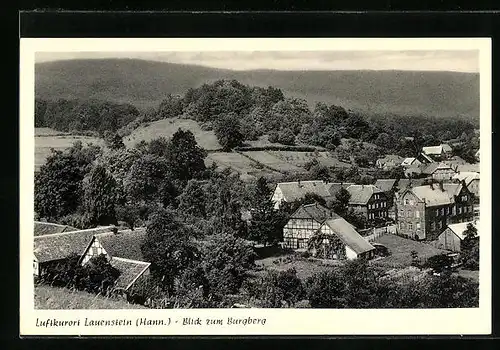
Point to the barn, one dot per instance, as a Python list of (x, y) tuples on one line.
[(452, 237)]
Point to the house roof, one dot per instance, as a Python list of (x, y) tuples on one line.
[(47, 228), (466, 176), (459, 228), (124, 244), (59, 246), (313, 211), (404, 183), (433, 167), (297, 190), (435, 196), (361, 194), (424, 156), (436, 150), (468, 168), (348, 235), (130, 271), (408, 161), (385, 184)]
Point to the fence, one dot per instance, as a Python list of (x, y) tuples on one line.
[(379, 232)]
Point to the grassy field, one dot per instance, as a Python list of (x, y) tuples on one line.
[(401, 248), (299, 159), (167, 127), (52, 298), (46, 139), (272, 162)]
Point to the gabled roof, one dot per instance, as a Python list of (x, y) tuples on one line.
[(404, 183), (436, 150), (433, 167), (293, 191), (124, 244), (408, 161), (47, 228), (348, 235), (361, 194), (61, 245), (386, 184), (313, 211), (130, 271), (459, 228), (468, 168), (435, 196), (390, 158), (468, 177)]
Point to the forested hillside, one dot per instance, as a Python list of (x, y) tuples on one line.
[(145, 83)]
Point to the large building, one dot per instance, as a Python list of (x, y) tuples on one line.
[(293, 191), (441, 152), (439, 171), (471, 180), (368, 200), (423, 211), (303, 223)]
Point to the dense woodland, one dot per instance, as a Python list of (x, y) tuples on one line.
[(197, 212)]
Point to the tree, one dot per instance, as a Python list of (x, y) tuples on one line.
[(286, 136), (113, 140), (98, 275), (277, 289), (168, 247), (58, 185), (158, 147), (470, 248), (340, 204), (439, 263), (191, 202), (128, 213), (99, 196), (150, 180), (185, 159), (228, 131), (266, 224), (326, 290), (320, 172), (227, 260)]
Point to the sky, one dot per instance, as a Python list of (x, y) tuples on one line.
[(435, 60)]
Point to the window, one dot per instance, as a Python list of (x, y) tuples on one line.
[(410, 226), (406, 201), (464, 198), (417, 214), (440, 224), (442, 211), (437, 212), (433, 226), (460, 210), (418, 226)]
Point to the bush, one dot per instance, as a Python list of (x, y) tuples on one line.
[(78, 220), (439, 263)]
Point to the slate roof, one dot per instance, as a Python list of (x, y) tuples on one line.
[(432, 167), (59, 246), (435, 196), (47, 228), (348, 235), (313, 211), (297, 190), (467, 176), (435, 150), (408, 161), (460, 227), (468, 168), (130, 271), (124, 244), (385, 184), (404, 183), (361, 194)]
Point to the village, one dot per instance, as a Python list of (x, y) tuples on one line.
[(432, 210)]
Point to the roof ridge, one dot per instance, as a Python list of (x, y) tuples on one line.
[(73, 232), (131, 260)]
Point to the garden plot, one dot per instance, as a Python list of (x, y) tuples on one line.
[(272, 162), (299, 159)]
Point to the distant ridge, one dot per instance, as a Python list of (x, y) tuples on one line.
[(145, 83)]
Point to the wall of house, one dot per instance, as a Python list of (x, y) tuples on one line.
[(350, 254), (443, 174), (277, 197), (410, 215), (473, 187), (36, 271), (377, 207), (95, 249), (464, 206), (449, 240), (297, 232), (333, 240)]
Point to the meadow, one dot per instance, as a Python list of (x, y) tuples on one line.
[(54, 298)]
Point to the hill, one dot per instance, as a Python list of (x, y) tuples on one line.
[(145, 83)]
